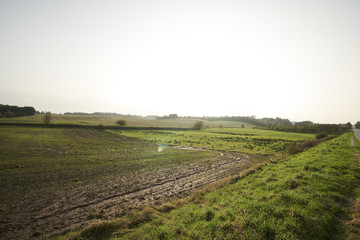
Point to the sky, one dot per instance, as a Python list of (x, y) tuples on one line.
[(291, 59)]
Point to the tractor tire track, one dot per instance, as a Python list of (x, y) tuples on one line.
[(117, 196)]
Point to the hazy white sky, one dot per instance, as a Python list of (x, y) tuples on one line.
[(292, 59)]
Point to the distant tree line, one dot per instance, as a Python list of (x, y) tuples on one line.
[(312, 128), (280, 124), (264, 122), (8, 111), (170, 116)]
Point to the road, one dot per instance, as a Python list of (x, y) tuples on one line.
[(356, 132)]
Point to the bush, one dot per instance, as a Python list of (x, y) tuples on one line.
[(47, 118), (121, 122), (198, 125), (294, 148), (321, 135)]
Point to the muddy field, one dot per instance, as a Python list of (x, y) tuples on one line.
[(43, 216)]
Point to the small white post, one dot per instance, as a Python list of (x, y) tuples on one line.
[(352, 141)]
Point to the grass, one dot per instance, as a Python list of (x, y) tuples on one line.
[(353, 222), (252, 141), (46, 159), (93, 120), (305, 196)]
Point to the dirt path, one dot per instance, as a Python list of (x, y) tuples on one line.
[(77, 207)]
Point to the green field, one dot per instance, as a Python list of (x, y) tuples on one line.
[(305, 196), (252, 141), (93, 120)]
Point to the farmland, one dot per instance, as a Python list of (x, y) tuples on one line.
[(50, 172), (58, 179), (90, 173), (39, 162)]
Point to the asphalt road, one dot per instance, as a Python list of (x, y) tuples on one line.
[(356, 132)]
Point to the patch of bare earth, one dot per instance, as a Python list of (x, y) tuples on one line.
[(38, 217)]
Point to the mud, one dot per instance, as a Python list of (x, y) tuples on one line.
[(39, 217)]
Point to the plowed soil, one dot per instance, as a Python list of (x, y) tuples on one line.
[(42, 216)]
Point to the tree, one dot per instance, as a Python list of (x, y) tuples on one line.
[(9, 114), (29, 111), (121, 122), (198, 125), (15, 111), (47, 118), (348, 125), (303, 123), (171, 116)]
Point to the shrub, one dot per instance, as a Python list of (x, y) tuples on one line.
[(47, 118), (121, 122), (198, 125), (321, 135), (294, 148)]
